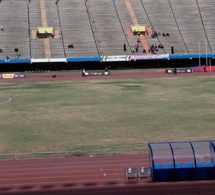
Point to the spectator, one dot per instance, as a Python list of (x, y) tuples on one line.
[(205, 68), (83, 72), (124, 47), (175, 71), (46, 34), (136, 47)]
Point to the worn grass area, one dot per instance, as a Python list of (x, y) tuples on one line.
[(100, 117)]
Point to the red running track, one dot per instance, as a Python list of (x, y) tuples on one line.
[(114, 75), (93, 175)]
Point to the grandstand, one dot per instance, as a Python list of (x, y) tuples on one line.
[(98, 28)]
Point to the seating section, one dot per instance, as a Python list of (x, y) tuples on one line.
[(209, 164), (97, 28), (199, 164), (188, 165), (158, 166), (56, 44), (76, 29), (178, 165), (37, 45), (167, 166), (185, 165), (106, 27), (14, 31)]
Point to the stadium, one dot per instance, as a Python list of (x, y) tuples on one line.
[(107, 97)]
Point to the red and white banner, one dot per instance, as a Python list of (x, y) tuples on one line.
[(115, 58)]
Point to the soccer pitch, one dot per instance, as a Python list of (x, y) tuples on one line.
[(103, 117)]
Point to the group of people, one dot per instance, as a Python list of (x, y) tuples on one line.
[(156, 34), (137, 45), (155, 48), (70, 46)]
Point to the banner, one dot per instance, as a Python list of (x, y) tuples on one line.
[(149, 57), (115, 58), (13, 75), (181, 70), (8, 76), (19, 75), (97, 73)]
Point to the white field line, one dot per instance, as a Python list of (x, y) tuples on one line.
[(8, 100)]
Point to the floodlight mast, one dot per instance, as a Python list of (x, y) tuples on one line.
[(206, 57), (199, 53)]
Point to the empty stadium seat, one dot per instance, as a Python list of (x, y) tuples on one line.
[(209, 164), (199, 164), (131, 173), (144, 172), (188, 165), (178, 165), (167, 166), (158, 166)]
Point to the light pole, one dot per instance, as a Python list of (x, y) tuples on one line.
[(199, 53), (206, 56)]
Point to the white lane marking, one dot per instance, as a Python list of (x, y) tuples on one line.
[(8, 100)]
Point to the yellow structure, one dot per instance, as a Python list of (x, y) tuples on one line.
[(138, 30), (45, 32)]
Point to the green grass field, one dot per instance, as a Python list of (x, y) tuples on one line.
[(103, 117)]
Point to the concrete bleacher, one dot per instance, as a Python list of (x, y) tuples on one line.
[(99, 27), (126, 22), (14, 20), (206, 8), (56, 44), (162, 20), (37, 45), (189, 22), (76, 29), (107, 28), (143, 19)]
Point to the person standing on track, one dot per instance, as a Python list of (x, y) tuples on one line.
[(83, 72), (175, 71), (205, 68)]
